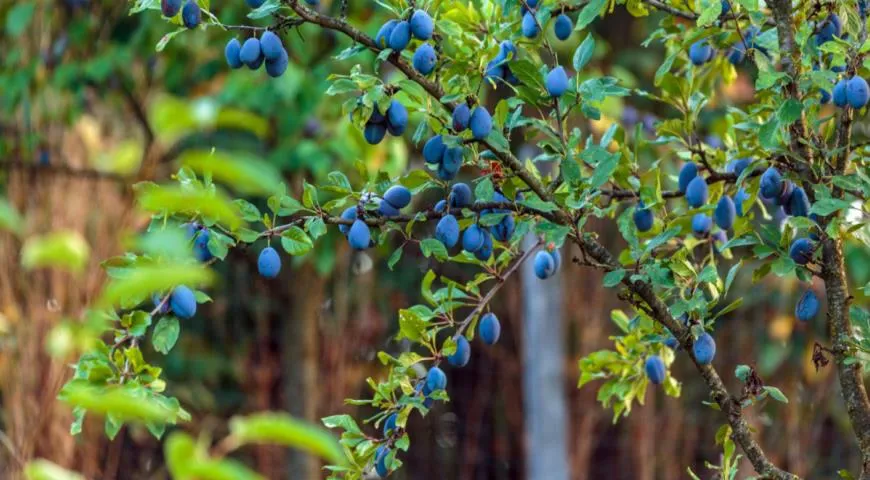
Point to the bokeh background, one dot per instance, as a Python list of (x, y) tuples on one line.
[(88, 107)]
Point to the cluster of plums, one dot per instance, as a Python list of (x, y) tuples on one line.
[(397, 34), (394, 121), (704, 349), (358, 234), (254, 52), (562, 27), (547, 263), (190, 12), (476, 239), (499, 67)]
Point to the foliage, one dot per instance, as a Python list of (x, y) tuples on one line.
[(785, 154)]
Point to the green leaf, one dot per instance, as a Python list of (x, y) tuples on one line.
[(484, 190), (66, 250), (165, 334), (190, 200), (742, 372), (44, 470), (138, 283), (282, 429), (242, 172), (710, 13), (776, 394), (249, 212), (589, 13), (827, 206), (431, 246), (584, 52), (614, 278), (124, 402), (789, 112), (295, 241), (18, 18), (9, 218), (411, 325)]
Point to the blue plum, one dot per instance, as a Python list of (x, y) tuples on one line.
[(643, 217), (530, 25), (436, 379), (425, 59), (462, 355), (460, 195), (374, 133), (271, 45), (807, 306), (563, 27), (725, 213), (697, 192), (655, 369), (433, 150), (704, 349), (771, 183), (191, 14), (269, 263), (461, 117), (472, 238), (544, 265), (397, 118), (400, 36), (422, 25), (801, 250), (857, 92), (382, 38), (480, 122), (232, 53), (398, 196), (556, 82), (182, 301), (447, 231), (359, 235), (687, 173), (489, 329), (701, 225)]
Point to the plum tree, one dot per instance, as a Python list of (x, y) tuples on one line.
[(509, 86)]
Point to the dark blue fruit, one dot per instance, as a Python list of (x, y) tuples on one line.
[(726, 7), (725, 213), (447, 231), (839, 96), (232, 53), (857, 92), (643, 217), (825, 97), (480, 122), (557, 258), (462, 354), (472, 238), (687, 173), (359, 235), (348, 214), (398, 196), (801, 250), (269, 263), (400, 36), (696, 192), (738, 166), (436, 379), (489, 329), (424, 59), (771, 183), (704, 349), (441, 206), (385, 209), (563, 27), (157, 300), (485, 250), (798, 203), (530, 25), (382, 38), (182, 301), (461, 117), (397, 118), (807, 307), (191, 14), (270, 45), (655, 369), (250, 52), (701, 225), (390, 424), (170, 8), (374, 132), (700, 53), (556, 82), (545, 265), (433, 150), (451, 161), (504, 230), (276, 68), (460, 195), (381, 461), (672, 343), (421, 25)]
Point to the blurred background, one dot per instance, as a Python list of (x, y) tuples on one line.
[(89, 107)]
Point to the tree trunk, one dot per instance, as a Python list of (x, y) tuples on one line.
[(543, 351)]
